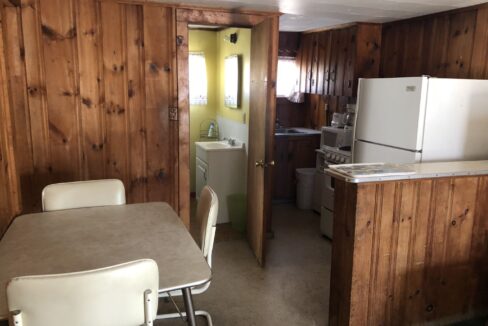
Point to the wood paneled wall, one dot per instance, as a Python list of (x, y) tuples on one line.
[(451, 44), (9, 195), (410, 252), (289, 43), (91, 84), (319, 109)]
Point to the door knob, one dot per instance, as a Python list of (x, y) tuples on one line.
[(262, 164)]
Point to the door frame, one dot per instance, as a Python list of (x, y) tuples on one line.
[(202, 16)]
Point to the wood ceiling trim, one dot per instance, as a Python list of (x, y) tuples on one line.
[(216, 17), (438, 14), (192, 7)]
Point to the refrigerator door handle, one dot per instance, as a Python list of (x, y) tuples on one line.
[(395, 147)]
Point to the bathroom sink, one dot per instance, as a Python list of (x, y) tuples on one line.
[(218, 145), (203, 148), (215, 145)]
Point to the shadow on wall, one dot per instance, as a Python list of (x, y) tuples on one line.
[(31, 186), (439, 295), (476, 128)]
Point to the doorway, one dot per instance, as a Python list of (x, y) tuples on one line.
[(219, 83), (264, 45)]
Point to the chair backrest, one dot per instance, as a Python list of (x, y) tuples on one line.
[(120, 295), (207, 211), (83, 194)]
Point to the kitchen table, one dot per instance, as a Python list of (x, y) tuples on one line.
[(88, 238)]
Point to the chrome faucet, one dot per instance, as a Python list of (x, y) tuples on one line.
[(231, 141)]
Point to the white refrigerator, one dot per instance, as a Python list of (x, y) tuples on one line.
[(420, 119)]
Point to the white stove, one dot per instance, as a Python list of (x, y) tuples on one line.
[(334, 155), (324, 191)]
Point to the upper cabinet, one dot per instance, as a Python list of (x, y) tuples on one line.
[(332, 61)]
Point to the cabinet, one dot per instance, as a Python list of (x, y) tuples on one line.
[(200, 175), (332, 61), (291, 153), (223, 168)]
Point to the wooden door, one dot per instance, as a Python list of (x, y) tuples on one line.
[(350, 62), (264, 50), (334, 54), (327, 52), (305, 62), (322, 53), (314, 62)]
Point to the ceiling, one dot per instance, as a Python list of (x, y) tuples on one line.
[(302, 15)]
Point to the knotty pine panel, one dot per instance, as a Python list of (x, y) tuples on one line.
[(9, 196), (479, 62), (136, 104), (410, 252), (90, 70), (14, 54), (58, 43), (160, 96), (36, 102), (451, 44), (90, 84), (115, 89)]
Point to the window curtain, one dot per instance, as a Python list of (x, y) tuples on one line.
[(295, 95), (288, 80), (287, 76), (198, 78)]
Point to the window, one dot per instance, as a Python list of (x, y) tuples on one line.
[(287, 76), (198, 79)]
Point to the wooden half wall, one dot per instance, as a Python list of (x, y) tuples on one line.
[(451, 44), (410, 252), (90, 86)]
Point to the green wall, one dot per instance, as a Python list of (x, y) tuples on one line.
[(216, 49)]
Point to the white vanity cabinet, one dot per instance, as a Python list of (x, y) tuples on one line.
[(222, 167)]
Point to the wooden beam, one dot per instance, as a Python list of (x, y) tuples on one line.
[(215, 17)]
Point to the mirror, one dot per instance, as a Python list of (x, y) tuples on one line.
[(232, 81)]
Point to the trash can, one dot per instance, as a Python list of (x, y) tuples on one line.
[(236, 204), (305, 184)]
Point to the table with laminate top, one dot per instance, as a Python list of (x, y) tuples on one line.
[(89, 238)]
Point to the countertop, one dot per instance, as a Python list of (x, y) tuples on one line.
[(297, 132), (361, 173)]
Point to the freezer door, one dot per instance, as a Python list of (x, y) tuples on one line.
[(372, 153), (456, 120), (391, 111)]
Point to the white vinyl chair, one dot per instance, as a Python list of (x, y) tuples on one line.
[(120, 295), (207, 211), (79, 194)]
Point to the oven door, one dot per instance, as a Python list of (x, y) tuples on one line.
[(328, 192)]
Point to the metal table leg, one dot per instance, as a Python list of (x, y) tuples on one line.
[(190, 312)]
